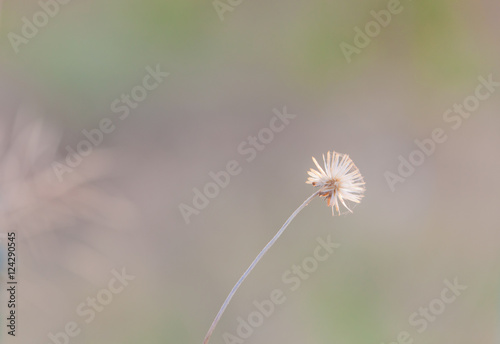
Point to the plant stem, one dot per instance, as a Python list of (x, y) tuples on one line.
[(254, 263)]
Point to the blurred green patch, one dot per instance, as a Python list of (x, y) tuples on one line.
[(90, 53), (349, 310), (440, 48)]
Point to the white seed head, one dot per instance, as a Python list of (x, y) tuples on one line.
[(340, 181)]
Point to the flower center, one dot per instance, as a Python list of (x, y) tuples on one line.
[(330, 188), (332, 184)]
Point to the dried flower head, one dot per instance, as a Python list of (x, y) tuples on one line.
[(340, 180)]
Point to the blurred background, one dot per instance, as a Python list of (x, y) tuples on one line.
[(103, 156)]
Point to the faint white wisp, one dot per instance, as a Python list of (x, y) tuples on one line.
[(63, 229)]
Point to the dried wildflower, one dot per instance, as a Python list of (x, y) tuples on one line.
[(340, 180)]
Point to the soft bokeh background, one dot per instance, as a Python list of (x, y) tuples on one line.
[(120, 207)]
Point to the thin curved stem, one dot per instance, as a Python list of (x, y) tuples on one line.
[(254, 263)]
